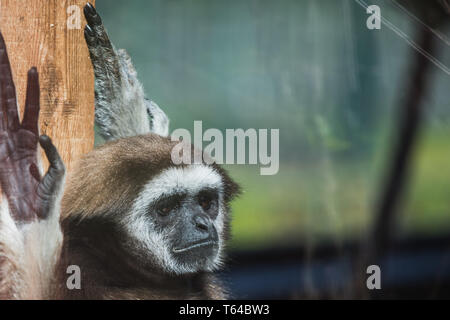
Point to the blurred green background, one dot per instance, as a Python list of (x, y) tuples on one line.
[(313, 70)]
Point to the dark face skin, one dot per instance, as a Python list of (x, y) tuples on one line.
[(192, 217), (29, 196)]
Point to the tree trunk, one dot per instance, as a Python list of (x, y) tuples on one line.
[(48, 34)]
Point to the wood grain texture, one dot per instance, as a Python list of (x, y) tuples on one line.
[(37, 34)]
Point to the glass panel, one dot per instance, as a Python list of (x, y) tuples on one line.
[(315, 71)]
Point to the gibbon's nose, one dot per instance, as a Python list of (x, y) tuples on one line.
[(201, 223)]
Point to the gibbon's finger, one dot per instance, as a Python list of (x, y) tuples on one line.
[(8, 105), (89, 36), (101, 51), (91, 15), (56, 163), (52, 183), (95, 50), (4, 61), (102, 45), (9, 90), (96, 25), (32, 106), (3, 114), (11, 107)]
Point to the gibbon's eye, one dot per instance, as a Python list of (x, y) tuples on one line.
[(205, 203), (207, 199), (166, 206), (164, 211)]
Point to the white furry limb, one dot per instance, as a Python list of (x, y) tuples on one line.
[(30, 251), (121, 109), (28, 256)]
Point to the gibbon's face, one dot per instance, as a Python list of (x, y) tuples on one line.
[(178, 219), (128, 194)]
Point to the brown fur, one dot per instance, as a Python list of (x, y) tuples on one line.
[(104, 184), (92, 187)]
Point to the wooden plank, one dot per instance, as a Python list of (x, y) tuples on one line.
[(45, 34)]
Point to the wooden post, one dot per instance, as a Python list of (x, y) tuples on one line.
[(48, 34)]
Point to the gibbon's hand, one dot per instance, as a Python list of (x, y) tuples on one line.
[(29, 196)]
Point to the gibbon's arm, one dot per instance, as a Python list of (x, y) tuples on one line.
[(30, 234), (121, 109)]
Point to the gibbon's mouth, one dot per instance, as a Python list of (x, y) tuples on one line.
[(206, 243)]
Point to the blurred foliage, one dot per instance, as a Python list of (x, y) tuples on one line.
[(312, 69)]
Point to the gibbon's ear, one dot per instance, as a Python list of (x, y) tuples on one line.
[(121, 109)]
